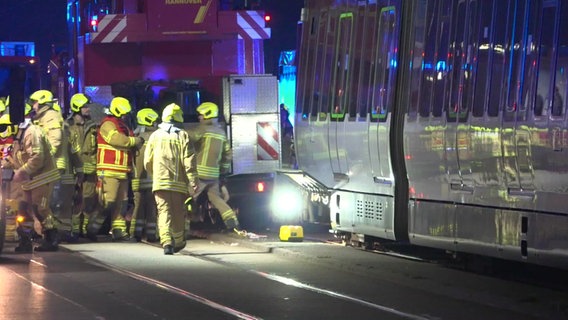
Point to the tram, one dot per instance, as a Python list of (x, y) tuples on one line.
[(439, 123)]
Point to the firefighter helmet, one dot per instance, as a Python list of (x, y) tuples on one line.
[(208, 110), (28, 109), (42, 96), (147, 117), (56, 106), (8, 129), (119, 107), (3, 104), (78, 101), (172, 112)]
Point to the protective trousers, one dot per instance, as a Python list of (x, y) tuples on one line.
[(112, 193), (214, 194), (62, 206), (89, 206), (38, 202), (171, 218), (144, 216)]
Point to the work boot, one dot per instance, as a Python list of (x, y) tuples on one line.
[(49, 243), (120, 236), (168, 250), (24, 245), (91, 233), (152, 239), (231, 223)]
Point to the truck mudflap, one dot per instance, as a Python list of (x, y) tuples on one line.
[(298, 198)]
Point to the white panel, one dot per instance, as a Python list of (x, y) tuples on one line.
[(244, 138)]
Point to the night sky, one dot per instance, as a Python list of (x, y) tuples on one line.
[(43, 22)]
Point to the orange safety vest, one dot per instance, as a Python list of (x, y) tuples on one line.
[(110, 158)]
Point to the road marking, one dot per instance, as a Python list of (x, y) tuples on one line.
[(294, 283), (179, 291)]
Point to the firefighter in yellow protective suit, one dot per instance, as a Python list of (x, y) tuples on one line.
[(7, 133), (170, 160), (116, 145), (83, 133), (213, 159), (48, 117), (35, 170), (144, 215)]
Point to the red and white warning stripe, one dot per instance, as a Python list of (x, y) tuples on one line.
[(267, 140), (251, 25), (111, 28)]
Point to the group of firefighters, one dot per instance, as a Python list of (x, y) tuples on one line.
[(67, 175)]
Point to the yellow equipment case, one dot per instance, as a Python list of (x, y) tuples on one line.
[(291, 233)]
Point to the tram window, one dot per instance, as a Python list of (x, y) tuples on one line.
[(499, 45), (385, 64), (546, 61), (306, 83), (414, 85), (457, 59), (342, 67), (366, 70), (516, 56), (442, 67), (561, 80), (319, 65), (428, 59), (357, 72), (530, 65), (483, 72)]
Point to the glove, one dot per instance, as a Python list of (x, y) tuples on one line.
[(188, 203), (80, 176), (139, 142)]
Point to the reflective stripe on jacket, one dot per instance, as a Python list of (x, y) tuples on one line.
[(114, 141), (170, 159), (31, 154), (213, 151), (84, 136), (141, 180)]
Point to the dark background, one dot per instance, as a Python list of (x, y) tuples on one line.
[(44, 22)]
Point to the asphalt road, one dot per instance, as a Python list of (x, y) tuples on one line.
[(225, 277)]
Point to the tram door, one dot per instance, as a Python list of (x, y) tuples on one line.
[(460, 52), (382, 91), (516, 137), (338, 137)]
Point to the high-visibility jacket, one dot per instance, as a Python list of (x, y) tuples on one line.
[(31, 154), (213, 150), (114, 143), (51, 123), (141, 180), (84, 137), (170, 159)]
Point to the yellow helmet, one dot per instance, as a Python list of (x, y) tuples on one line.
[(119, 107), (208, 110), (28, 109), (42, 96), (147, 117), (78, 101), (3, 104), (172, 112), (10, 130), (56, 106)]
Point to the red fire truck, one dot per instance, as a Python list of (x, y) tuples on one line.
[(186, 51)]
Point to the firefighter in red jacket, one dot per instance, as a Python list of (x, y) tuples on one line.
[(144, 213), (116, 145), (213, 160)]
